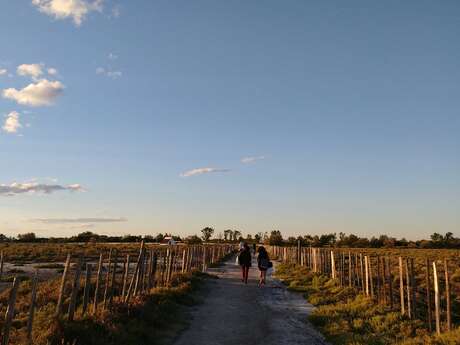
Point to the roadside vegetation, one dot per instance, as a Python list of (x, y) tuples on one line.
[(346, 317)]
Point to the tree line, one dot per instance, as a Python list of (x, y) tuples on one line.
[(274, 237)]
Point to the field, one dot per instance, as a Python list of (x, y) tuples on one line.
[(104, 294), (378, 296)]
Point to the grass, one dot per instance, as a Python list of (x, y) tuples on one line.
[(151, 319), (346, 317)]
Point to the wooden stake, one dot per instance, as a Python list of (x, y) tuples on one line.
[(1, 264), (125, 276), (437, 306), (10, 312), (448, 305), (408, 286), (87, 288), (62, 288), (75, 288), (401, 285), (428, 294), (98, 283)]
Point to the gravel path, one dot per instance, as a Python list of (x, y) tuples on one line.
[(234, 313)]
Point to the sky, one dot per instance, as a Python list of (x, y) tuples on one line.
[(154, 116)]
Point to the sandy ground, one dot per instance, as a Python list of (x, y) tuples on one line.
[(234, 313)]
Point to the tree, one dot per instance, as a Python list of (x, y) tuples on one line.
[(228, 234), (258, 237), (27, 237), (207, 233), (193, 240), (275, 239), (236, 235)]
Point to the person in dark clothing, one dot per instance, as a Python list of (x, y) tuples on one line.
[(244, 259), (263, 262)]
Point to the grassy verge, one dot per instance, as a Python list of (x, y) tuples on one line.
[(345, 317), (153, 319)]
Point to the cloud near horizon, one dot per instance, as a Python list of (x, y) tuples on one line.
[(41, 93), (201, 171), (82, 221), (63, 9), (36, 188)]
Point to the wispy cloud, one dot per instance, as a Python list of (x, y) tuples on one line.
[(41, 93), (63, 9), (82, 221), (16, 188), (3, 71), (252, 159), (109, 72), (12, 123), (201, 171)]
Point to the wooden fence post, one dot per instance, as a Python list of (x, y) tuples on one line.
[(428, 294), (62, 288), (333, 265), (135, 274), (436, 299), (114, 278), (366, 267), (448, 305), (401, 285), (390, 280), (75, 288), (30, 319), (10, 312), (408, 291), (98, 283), (125, 277), (87, 288), (107, 280), (413, 289), (1, 264)]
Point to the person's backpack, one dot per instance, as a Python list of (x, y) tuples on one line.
[(264, 263)]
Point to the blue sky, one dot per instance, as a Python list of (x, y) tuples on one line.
[(349, 109)]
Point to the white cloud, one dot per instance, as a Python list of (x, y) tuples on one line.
[(114, 74), (116, 11), (109, 73), (200, 171), (112, 56), (41, 93), (52, 71), (78, 220), (3, 71), (34, 187), (63, 9), (12, 123), (33, 70), (251, 159)]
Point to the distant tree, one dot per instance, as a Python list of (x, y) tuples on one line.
[(249, 238), (159, 237), (275, 239), (228, 235), (27, 237), (193, 240), (258, 237), (236, 235), (3, 238), (207, 233)]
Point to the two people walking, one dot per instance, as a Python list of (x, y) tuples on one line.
[(245, 261)]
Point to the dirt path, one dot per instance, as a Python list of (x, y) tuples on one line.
[(234, 314)]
